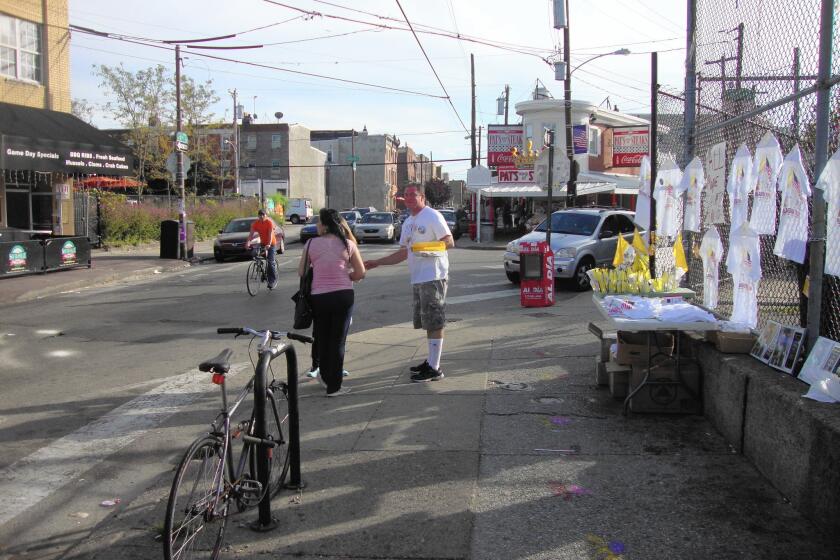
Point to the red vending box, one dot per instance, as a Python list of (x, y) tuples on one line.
[(536, 274)]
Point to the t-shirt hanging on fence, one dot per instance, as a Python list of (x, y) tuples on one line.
[(715, 185), (766, 165), (739, 185), (667, 199), (711, 252), (792, 237), (744, 264), (692, 184), (642, 217), (829, 183)]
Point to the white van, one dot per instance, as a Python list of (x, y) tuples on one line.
[(298, 210)]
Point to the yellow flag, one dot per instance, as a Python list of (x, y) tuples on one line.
[(679, 254), (620, 247), (638, 243)]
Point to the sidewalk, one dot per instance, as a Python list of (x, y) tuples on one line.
[(516, 454)]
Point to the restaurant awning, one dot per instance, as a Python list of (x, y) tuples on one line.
[(52, 141)]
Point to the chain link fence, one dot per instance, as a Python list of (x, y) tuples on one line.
[(750, 56)]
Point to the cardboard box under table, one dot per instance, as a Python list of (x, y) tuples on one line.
[(659, 382)]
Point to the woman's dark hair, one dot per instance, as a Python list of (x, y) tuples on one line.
[(331, 221)]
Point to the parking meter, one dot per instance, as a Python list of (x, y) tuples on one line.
[(536, 274)]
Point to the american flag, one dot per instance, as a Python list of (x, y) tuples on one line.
[(579, 139)]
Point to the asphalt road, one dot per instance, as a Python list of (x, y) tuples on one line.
[(71, 359)]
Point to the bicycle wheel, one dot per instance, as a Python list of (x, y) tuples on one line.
[(277, 424), (191, 529), (254, 277)]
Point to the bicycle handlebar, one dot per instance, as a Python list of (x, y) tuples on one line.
[(275, 335)]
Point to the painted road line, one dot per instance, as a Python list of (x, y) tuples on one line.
[(497, 283), (35, 477), (481, 297)]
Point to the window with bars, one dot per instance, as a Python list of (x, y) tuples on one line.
[(20, 49), (251, 142)]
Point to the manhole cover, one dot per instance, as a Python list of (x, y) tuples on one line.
[(549, 400), (509, 386)]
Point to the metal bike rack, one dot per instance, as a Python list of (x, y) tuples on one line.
[(265, 521)]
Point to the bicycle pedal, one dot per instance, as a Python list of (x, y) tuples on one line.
[(249, 492)]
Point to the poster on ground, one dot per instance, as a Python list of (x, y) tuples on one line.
[(779, 346), (822, 371)]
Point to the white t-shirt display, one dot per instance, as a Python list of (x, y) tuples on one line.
[(792, 237), (711, 253), (739, 185), (427, 225), (693, 181), (766, 165), (642, 217), (829, 183), (667, 198), (744, 264)]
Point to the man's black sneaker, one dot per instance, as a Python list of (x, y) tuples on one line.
[(420, 367), (428, 374)]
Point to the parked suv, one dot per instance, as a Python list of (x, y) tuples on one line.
[(581, 238)]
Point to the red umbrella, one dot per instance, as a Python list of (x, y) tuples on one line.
[(109, 183)]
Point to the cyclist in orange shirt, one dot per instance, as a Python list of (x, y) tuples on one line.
[(265, 227)]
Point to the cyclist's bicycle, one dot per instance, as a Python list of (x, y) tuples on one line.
[(208, 481), (257, 271)]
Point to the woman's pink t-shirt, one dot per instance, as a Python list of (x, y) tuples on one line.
[(331, 263)]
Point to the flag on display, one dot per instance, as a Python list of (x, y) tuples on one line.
[(579, 139), (679, 253)]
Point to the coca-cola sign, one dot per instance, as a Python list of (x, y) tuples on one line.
[(630, 143)]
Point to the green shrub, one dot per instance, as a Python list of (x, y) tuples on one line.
[(125, 222)]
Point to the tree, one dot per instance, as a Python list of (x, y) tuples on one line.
[(142, 103), (196, 99), (438, 193), (82, 109)]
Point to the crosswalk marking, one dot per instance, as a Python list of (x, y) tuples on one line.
[(36, 476), (481, 297)]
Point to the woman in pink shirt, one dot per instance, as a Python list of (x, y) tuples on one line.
[(336, 264)]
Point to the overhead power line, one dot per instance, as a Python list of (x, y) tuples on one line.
[(432, 66)]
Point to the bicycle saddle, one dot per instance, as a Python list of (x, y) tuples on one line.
[(219, 364)]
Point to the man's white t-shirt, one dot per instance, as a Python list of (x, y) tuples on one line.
[(693, 181), (792, 237), (711, 253), (739, 186), (768, 161), (829, 183), (642, 216), (426, 225), (744, 264), (665, 193)]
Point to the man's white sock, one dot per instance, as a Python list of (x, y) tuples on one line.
[(435, 348)]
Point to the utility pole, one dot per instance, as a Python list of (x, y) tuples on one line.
[(654, 126), (550, 145), (690, 116), (739, 57), (235, 145), (571, 185), (353, 164), (507, 101), (179, 161), (472, 129), (480, 128)]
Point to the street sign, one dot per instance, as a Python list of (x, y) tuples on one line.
[(172, 164), (182, 141), (560, 174), (352, 159)]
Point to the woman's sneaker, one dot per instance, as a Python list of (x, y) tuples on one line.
[(313, 372), (428, 374)]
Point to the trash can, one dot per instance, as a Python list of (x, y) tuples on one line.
[(487, 232), (169, 239)]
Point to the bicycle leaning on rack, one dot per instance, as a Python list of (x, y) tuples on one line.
[(258, 270), (208, 482)]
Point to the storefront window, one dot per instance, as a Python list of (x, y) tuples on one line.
[(20, 49)]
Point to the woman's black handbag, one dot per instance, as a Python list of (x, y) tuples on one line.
[(302, 298)]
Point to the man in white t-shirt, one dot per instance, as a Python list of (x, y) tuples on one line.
[(429, 268)]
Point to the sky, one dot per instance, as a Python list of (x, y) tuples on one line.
[(415, 87)]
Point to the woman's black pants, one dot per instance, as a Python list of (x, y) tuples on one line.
[(332, 312)]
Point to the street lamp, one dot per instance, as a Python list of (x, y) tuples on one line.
[(235, 149), (619, 52)]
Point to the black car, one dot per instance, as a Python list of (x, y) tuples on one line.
[(452, 222), (310, 230), (231, 240)]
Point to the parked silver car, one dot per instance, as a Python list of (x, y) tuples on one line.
[(378, 226), (581, 238)]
